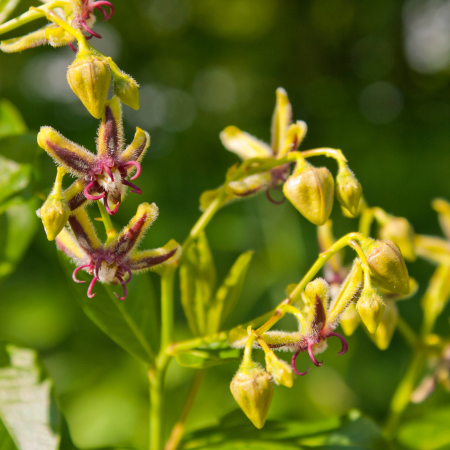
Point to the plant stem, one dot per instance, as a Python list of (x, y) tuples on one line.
[(109, 227), (167, 321), (156, 379), (407, 332), (177, 430)]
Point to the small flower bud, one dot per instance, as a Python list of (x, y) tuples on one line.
[(348, 190), (89, 78), (383, 336), (387, 265), (55, 212), (280, 370), (370, 308), (311, 191), (127, 89), (252, 389), (399, 230), (350, 320), (318, 287)]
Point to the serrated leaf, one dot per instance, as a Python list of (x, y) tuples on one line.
[(28, 412), (430, 432), (228, 293), (198, 284), (21, 225), (234, 431), (11, 121), (131, 323), (203, 358)]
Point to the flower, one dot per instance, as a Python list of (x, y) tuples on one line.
[(286, 137), (77, 13), (111, 262), (102, 176)]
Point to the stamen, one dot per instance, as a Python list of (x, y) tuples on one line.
[(134, 189), (105, 15), (89, 292), (275, 202), (74, 275), (83, 24), (311, 355), (138, 168), (130, 274), (124, 288), (107, 169), (92, 197), (105, 3), (73, 48), (344, 349), (300, 374), (110, 212)]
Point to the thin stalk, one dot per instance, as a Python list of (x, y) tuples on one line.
[(156, 379), (178, 428), (167, 318), (109, 227), (407, 332)]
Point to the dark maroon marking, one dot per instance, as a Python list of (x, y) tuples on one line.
[(70, 158), (110, 132), (76, 201), (320, 316), (80, 234), (130, 236), (151, 261), (294, 357), (247, 193), (136, 152)]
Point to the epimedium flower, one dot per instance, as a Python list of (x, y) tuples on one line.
[(77, 13), (102, 176), (286, 137), (116, 261)]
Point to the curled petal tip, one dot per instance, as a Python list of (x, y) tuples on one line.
[(92, 197), (124, 289), (99, 5), (133, 187), (344, 348), (138, 168), (271, 200), (108, 209), (74, 275), (311, 355), (91, 286), (300, 374), (92, 32)]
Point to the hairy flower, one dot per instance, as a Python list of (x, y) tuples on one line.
[(286, 137), (103, 176), (114, 262)]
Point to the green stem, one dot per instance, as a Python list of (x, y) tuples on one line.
[(167, 319), (407, 332), (329, 153), (109, 227), (156, 379), (177, 430)]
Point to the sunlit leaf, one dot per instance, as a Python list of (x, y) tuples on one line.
[(430, 432), (234, 431), (131, 323), (11, 121), (21, 225), (28, 412), (228, 293), (198, 283)]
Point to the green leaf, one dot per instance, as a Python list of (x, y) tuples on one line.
[(21, 225), (131, 323), (11, 121), (234, 431), (430, 432), (14, 177), (228, 293), (202, 358), (28, 412), (22, 149), (198, 284)]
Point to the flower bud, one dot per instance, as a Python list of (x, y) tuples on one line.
[(90, 77), (350, 320), (311, 191), (280, 370), (253, 391), (55, 212), (383, 336), (370, 308), (318, 287), (399, 230), (387, 265), (348, 190), (127, 89)]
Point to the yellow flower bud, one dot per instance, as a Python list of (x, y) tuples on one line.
[(320, 288), (370, 308), (399, 230), (350, 320), (387, 265), (280, 370), (127, 89), (252, 389), (311, 191), (55, 212), (383, 336), (89, 78), (348, 190)]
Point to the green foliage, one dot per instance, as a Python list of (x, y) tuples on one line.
[(132, 323), (28, 412), (353, 431), (6, 8)]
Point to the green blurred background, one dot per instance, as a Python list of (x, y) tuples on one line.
[(368, 77)]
